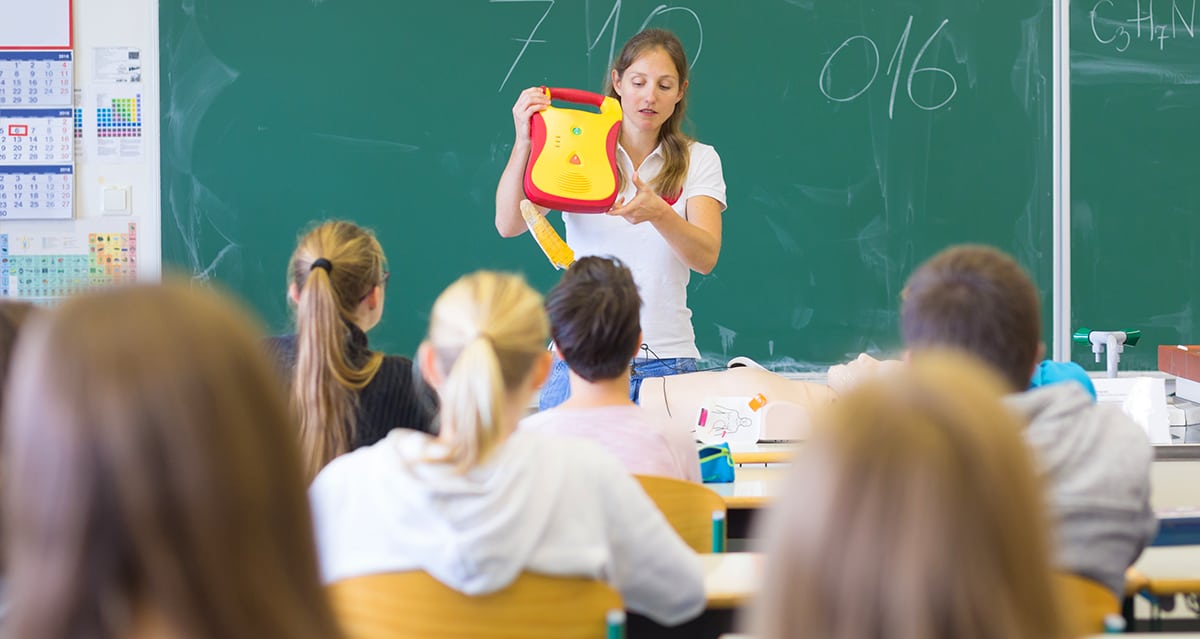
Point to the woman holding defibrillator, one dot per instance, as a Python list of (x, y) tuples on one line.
[(666, 221)]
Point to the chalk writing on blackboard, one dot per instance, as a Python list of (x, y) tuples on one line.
[(824, 81), (1111, 27), (612, 21)]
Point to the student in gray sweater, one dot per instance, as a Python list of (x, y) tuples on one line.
[(1095, 460)]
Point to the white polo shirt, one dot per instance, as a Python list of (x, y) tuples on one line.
[(661, 277)]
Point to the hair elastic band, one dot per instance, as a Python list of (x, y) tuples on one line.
[(321, 262)]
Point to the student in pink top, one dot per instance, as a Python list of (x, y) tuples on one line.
[(594, 320)]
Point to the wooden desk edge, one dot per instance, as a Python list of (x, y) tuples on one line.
[(724, 601), (762, 456), (1173, 586), (1135, 582), (743, 502)]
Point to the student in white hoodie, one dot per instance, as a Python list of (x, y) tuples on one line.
[(480, 503), (1095, 461)]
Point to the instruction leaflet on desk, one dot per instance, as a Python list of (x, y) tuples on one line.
[(37, 135)]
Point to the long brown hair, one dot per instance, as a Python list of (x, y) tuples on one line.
[(675, 144), (153, 473), (13, 315), (325, 383), (914, 512), (486, 331)]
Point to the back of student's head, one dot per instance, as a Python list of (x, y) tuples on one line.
[(152, 474), (913, 512), (977, 299), (334, 268), (487, 335), (594, 317)]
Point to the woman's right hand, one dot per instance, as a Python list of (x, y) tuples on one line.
[(530, 101)]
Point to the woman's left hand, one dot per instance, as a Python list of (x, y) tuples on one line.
[(646, 205)]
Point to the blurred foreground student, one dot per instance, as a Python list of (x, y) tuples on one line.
[(479, 504), (594, 321), (913, 512), (345, 395), (153, 489), (13, 316)]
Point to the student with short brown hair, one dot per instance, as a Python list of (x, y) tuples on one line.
[(979, 300), (594, 320), (939, 532), (153, 488), (1096, 460)]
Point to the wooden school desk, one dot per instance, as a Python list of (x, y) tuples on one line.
[(1175, 473), (764, 453), (752, 488), (1128, 635), (1170, 570), (730, 580)]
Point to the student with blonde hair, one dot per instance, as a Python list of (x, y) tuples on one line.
[(481, 502), (344, 394), (913, 512), (152, 486)]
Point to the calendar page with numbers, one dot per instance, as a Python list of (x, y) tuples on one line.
[(37, 135), (37, 192), (36, 78)]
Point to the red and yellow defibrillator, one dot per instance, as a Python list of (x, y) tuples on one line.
[(573, 160)]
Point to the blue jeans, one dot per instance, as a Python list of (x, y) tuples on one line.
[(557, 388)]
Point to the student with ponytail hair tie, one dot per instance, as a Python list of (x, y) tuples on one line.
[(345, 395), (481, 503)]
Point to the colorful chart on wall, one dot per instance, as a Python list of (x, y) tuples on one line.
[(44, 267)]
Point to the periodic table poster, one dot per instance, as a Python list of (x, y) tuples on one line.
[(45, 266), (37, 135)]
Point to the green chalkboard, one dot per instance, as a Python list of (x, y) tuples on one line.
[(1135, 196), (858, 138)]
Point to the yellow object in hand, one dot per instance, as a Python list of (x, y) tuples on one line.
[(556, 250)]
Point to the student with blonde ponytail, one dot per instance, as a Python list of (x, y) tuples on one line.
[(344, 394), (480, 503)]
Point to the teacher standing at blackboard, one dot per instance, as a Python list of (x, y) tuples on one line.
[(666, 222)]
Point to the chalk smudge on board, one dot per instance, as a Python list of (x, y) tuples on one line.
[(781, 234), (727, 337), (197, 79), (368, 143), (801, 317)]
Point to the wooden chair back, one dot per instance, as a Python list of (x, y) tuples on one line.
[(1086, 603), (689, 508), (414, 605)]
